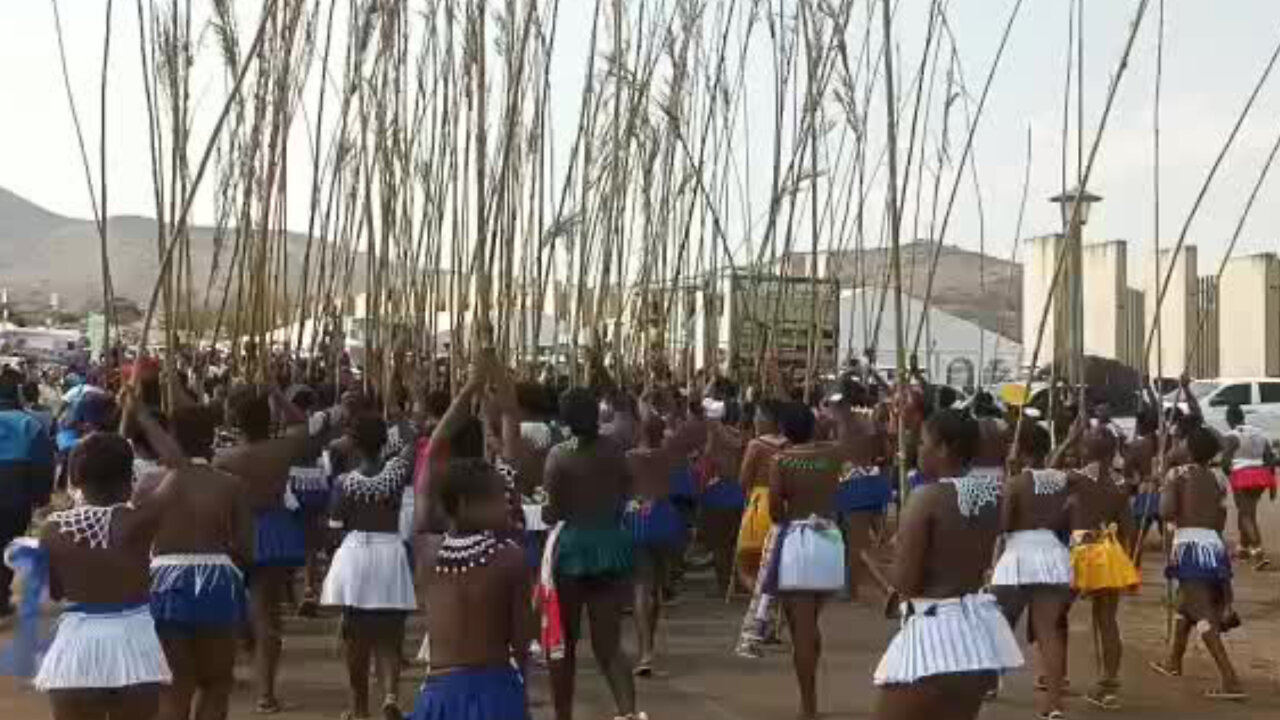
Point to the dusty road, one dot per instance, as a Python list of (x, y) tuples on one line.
[(703, 680)]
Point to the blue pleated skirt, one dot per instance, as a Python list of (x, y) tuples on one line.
[(280, 540), (723, 494), (472, 694), (655, 524), (862, 491)]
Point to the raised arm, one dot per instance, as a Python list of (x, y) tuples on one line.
[(167, 449)]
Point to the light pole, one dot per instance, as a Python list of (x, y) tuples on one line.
[(1068, 324)]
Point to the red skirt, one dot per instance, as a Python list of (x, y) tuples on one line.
[(1253, 478)]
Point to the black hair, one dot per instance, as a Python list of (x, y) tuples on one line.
[(467, 479), (467, 441), (653, 427), (770, 409), (436, 403), (1235, 415), (10, 384), (797, 422), (1034, 441), (194, 427), (102, 463), (732, 412), (31, 392), (303, 397), (249, 410), (1148, 421), (369, 433), (580, 413), (957, 431), (1202, 444)]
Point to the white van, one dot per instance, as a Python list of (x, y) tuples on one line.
[(1258, 397)]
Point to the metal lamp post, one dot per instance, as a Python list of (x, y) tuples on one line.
[(1068, 325)]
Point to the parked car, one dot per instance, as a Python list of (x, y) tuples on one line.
[(1258, 397)]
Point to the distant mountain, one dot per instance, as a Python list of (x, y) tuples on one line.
[(42, 253)]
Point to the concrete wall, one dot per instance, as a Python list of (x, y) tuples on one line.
[(1179, 315), (1135, 330), (1105, 291), (1249, 313), (1037, 275)]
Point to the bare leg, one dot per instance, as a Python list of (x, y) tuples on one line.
[(1105, 607), (647, 603), (140, 702), (719, 532), (356, 649), (184, 660), (80, 704), (1247, 519), (806, 640), (563, 671), (1046, 613), (266, 587), (217, 659), (387, 658), (1203, 602), (858, 530), (943, 697), (748, 568), (1178, 648), (604, 605)]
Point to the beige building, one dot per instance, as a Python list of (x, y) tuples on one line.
[(1106, 298), (1173, 336), (1037, 276), (1212, 328), (1248, 303)]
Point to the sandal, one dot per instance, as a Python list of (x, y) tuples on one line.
[(643, 669), (1229, 695), (268, 706), (632, 716), (1051, 715), (1164, 670), (391, 709), (1104, 699)]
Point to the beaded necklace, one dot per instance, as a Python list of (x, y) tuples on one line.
[(86, 524), (1048, 482), (459, 554), (973, 492)]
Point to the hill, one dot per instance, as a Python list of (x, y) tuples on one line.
[(46, 253)]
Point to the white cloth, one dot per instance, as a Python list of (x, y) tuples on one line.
[(407, 500), (110, 650), (205, 565), (1253, 447), (1033, 557), (370, 571), (1205, 544), (949, 636), (813, 556), (533, 521)]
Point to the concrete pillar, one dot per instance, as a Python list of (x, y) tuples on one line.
[(1105, 299), (1037, 276), (1180, 314), (1249, 307)]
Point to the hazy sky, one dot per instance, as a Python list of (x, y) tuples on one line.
[(1215, 52)]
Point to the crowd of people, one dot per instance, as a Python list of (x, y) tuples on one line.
[(174, 520)]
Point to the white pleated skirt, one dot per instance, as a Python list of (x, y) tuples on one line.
[(370, 571), (103, 650), (1033, 557), (945, 637)]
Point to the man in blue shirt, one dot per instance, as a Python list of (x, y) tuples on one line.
[(26, 471)]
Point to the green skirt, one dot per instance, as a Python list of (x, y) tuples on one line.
[(594, 552)]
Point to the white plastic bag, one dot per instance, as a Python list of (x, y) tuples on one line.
[(813, 557)]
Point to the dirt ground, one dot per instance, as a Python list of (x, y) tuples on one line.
[(702, 679)]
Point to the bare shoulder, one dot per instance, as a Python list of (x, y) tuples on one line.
[(510, 558)]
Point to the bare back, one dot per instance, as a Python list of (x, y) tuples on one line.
[(1194, 497), (803, 482), (1098, 501), (946, 539), (264, 466), (650, 471), (479, 618), (587, 482), (1035, 500), (210, 514)]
